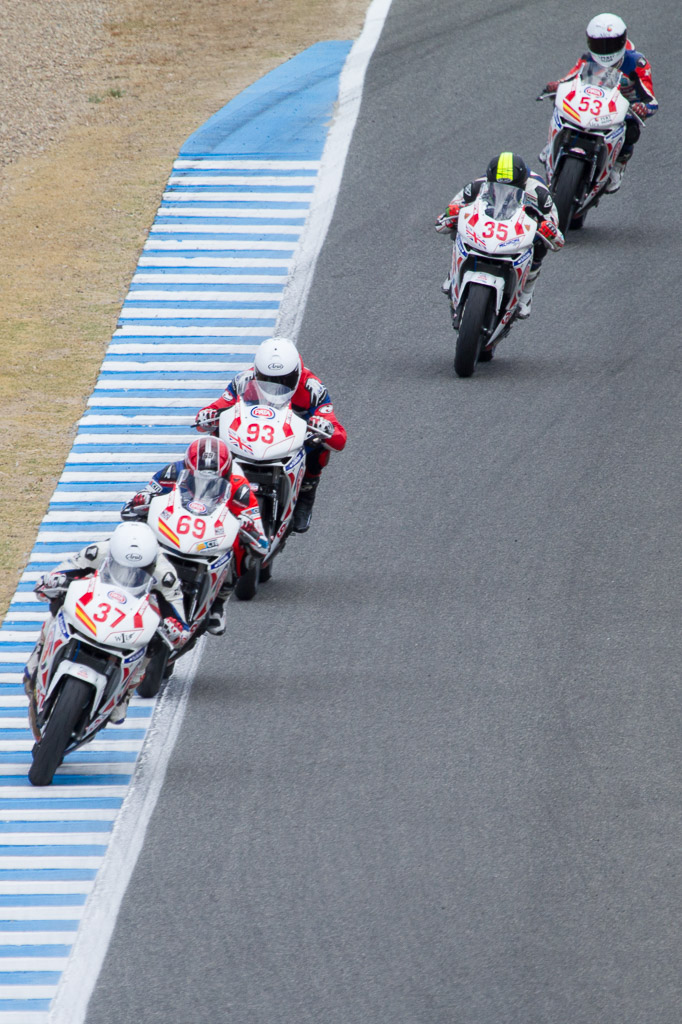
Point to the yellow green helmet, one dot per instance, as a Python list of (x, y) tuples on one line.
[(509, 169)]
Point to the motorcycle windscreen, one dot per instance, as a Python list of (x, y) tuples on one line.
[(594, 74), (501, 201), (267, 392), (134, 579), (197, 489)]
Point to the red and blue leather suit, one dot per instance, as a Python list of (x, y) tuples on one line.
[(310, 398), (240, 499), (636, 86)]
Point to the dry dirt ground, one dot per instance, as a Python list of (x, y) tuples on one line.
[(98, 96)]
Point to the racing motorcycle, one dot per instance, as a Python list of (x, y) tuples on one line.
[(586, 134), (491, 256), (267, 439), (93, 652), (196, 530)]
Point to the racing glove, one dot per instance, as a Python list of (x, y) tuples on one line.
[(172, 632), (206, 420), (252, 535), (551, 87), (137, 507), (550, 235), (320, 429), (448, 220), (51, 585), (640, 109)]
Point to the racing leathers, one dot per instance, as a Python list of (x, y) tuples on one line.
[(172, 632), (310, 401), (538, 204), (239, 498), (636, 85)]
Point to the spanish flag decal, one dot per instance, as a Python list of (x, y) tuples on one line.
[(168, 533), (83, 617), (571, 111)]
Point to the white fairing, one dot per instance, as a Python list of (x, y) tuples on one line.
[(192, 528), (109, 614), (113, 626), (497, 226), (267, 438), (255, 432), (591, 105), (592, 101)]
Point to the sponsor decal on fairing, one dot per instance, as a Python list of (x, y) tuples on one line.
[(263, 412), (132, 658), (197, 506), (116, 595), (294, 462)]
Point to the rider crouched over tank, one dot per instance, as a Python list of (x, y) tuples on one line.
[(278, 361), (131, 550), (511, 169), (608, 45), (207, 470)]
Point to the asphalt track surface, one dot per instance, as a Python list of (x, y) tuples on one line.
[(433, 775)]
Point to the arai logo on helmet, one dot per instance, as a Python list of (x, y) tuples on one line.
[(116, 595), (593, 90), (263, 412), (196, 506), (275, 366), (132, 556)]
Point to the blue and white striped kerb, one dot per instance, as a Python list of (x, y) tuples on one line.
[(205, 293)]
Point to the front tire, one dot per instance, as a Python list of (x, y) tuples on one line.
[(73, 698), (470, 337), (566, 190)]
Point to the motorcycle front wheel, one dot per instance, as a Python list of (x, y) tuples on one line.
[(73, 698), (470, 335), (566, 190)]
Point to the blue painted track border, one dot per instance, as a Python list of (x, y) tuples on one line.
[(205, 292)]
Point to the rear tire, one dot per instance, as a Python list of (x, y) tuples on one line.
[(566, 190), (265, 572), (74, 697), (154, 674), (470, 336), (246, 586)]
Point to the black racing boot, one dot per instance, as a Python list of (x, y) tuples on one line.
[(304, 506)]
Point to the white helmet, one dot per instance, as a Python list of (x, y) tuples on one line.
[(133, 545), (278, 362), (607, 36)]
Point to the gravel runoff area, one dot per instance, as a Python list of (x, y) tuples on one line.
[(43, 47), (97, 98)]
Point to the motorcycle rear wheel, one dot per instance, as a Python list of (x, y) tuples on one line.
[(154, 674), (246, 586), (49, 753), (566, 190), (470, 336)]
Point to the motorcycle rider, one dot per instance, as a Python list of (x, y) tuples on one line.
[(278, 361), (132, 548), (511, 169), (206, 469), (609, 46)]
